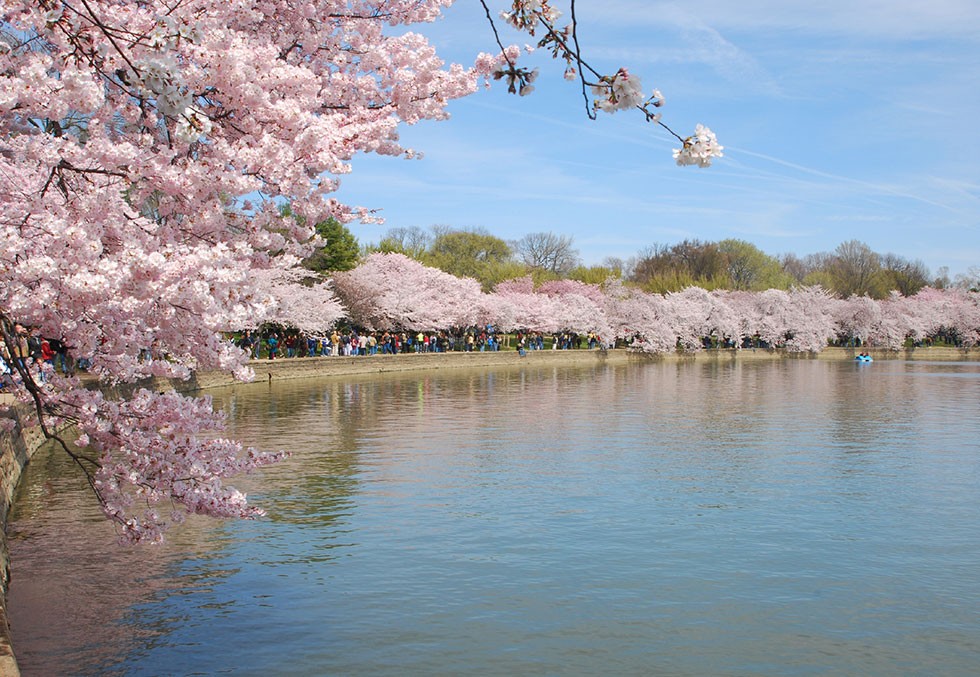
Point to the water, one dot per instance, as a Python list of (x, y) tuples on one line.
[(773, 518)]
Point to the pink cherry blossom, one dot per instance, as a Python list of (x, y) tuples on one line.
[(392, 291)]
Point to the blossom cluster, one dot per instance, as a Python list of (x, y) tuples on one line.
[(699, 148), (524, 15), (621, 91)]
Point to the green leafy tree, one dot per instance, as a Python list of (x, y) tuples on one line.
[(339, 252), (622, 267), (594, 274), (413, 242), (798, 268), (472, 253), (855, 270), (903, 275), (751, 269), (690, 263)]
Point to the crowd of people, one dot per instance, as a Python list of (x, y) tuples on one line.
[(41, 357), (32, 353), (25, 350), (283, 343)]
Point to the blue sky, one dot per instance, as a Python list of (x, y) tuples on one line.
[(840, 120)]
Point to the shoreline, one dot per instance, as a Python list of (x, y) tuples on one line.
[(17, 446), (289, 368)]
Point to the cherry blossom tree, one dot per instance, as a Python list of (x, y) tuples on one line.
[(519, 307), (593, 292), (741, 307), (965, 318), (800, 320), (858, 317), (899, 321), (688, 312), (698, 314), (298, 298), (642, 319), (574, 306), (724, 320), (769, 316), (811, 319), (889, 322), (392, 291), (952, 309)]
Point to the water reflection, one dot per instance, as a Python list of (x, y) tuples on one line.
[(72, 586), (694, 518)]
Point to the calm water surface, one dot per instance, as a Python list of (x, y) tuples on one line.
[(774, 518)]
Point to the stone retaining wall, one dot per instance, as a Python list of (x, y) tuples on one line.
[(18, 446), (16, 449)]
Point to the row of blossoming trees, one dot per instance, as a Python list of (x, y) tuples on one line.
[(392, 291)]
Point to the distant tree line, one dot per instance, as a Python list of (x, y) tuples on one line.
[(852, 269)]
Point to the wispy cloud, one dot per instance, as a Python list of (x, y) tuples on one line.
[(880, 19), (868, 187)]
